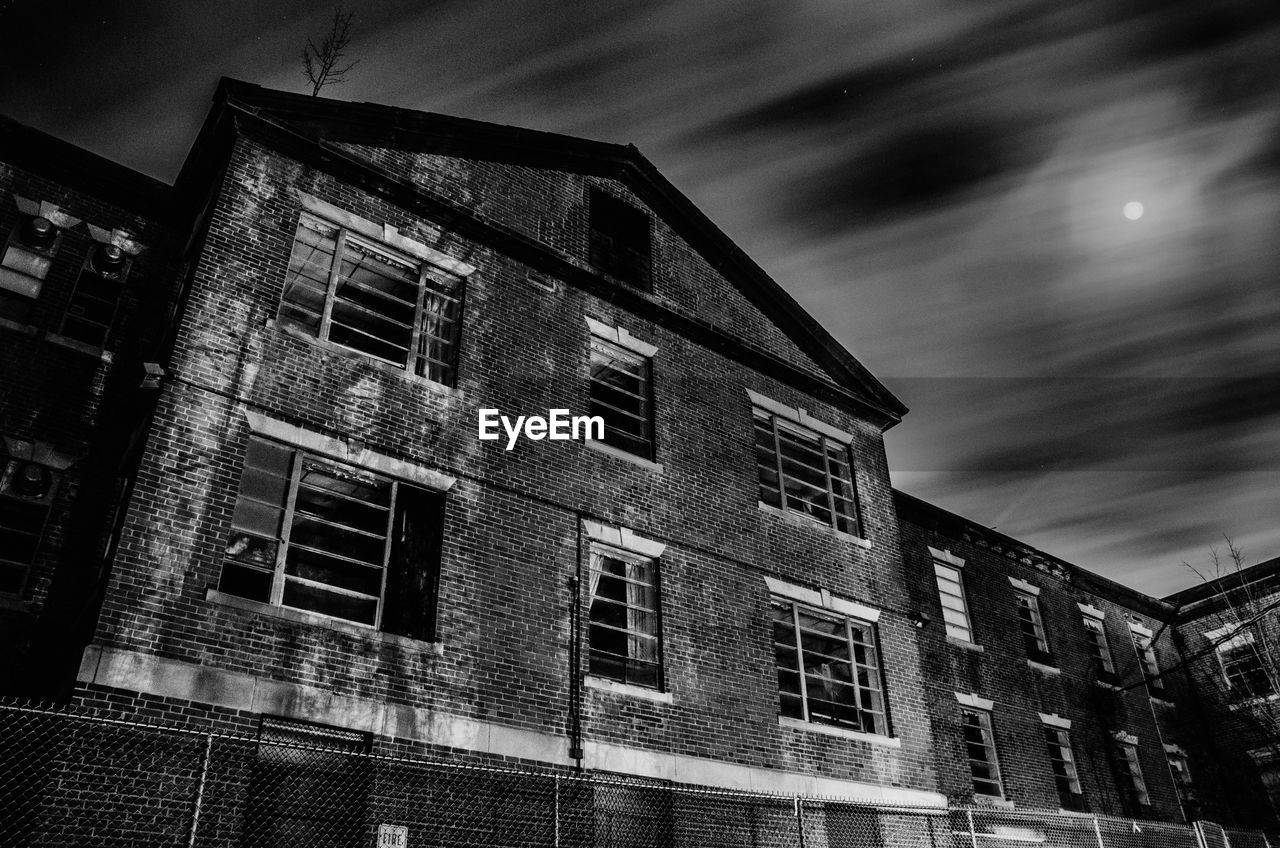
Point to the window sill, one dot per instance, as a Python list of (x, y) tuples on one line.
[(357, 356), (61, 341), (803, 520), (1114, 687), (968, 646), (1042, 668), (844, 733), (619, 453), (316, 620), (992, 801), (605, 685)]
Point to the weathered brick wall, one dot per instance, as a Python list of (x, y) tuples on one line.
[(552, 206), (53, 390), (1000, 672), (512, 520), (1236, 725)]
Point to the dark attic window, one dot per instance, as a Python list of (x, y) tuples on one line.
[(620, 240)]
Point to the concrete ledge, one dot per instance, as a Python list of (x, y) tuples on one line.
[(1042, 668), (618, 453), (843, 732), (968, 646), (802, 520), (119, 668), (627, 689), (315, 620), (343, 451)]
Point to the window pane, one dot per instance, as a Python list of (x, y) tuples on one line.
[(623, 635), (619, 393)]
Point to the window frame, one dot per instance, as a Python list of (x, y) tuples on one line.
[(1099, 646), (87, 268), (986, 728), (1242, 638), (1148, 660), (602, 245), (1129, 769), (297, 463), (597, 552), (10, 465), (1036, 639), (1062, 755), (612, 347), (429, 278), (880, 717), (826, 445), (1180, 770), (963, 597)]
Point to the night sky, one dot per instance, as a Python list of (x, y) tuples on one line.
[(950, 186)]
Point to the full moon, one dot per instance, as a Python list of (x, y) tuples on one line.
[(1133, 210)]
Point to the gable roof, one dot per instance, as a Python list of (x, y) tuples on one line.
[(325, 122)]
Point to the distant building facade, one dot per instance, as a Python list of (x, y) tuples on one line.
[(245, 489)]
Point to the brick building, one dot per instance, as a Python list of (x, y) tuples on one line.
[(267, 509), (1049, 686), (85, 278), (317, 535), (1228, 629)]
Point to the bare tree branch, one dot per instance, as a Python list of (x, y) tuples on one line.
[(322, 65)]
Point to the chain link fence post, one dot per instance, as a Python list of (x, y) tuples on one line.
[(1097, 831), (200, 781)]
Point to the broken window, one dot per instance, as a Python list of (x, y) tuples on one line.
[(1032, 626), (805, 472), (26, 496), (827, 666), (955, 610), (349, 290), (1099, 648), (624, 637), (1063, 763), (620, 394), (619, 240), (1243, 666), (1147, 660), (1129, 779), (980, 747), (1182, 782), (310, 786), (330, 538), (97, 294)]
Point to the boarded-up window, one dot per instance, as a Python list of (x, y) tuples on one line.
[(310, 786)]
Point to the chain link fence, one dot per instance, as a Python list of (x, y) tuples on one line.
[(70, 778)]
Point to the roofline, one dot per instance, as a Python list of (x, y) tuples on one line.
[(1082, 578), (1209, 591), (49, 156), (376, 123)]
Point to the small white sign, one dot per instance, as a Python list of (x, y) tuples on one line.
[(393, 836)]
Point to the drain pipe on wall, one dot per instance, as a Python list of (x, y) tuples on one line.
[(575, 664)]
